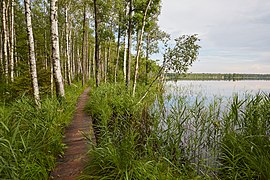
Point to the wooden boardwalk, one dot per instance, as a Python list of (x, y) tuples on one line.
[(71, 165)]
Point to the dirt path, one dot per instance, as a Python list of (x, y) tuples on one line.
[(74, 160)]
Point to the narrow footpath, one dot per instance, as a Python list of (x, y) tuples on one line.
[(71, 165)]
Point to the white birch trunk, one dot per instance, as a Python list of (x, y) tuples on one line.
[(117, 53), (139, 48), (5, 38), (12, 42), (125, 57), (59, 85), (32, 57), (129, 51), (67, 47)]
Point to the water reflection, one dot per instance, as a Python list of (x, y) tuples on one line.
[(210, 90)]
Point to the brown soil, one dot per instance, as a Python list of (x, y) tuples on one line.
[(75, 157)]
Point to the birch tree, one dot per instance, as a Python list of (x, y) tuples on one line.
[(139, 46), (129, 55), (12, 41), (67, 45), (32, 57), (5, 38), (59, 85)]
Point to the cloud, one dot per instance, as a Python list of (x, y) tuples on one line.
[(232, 32)]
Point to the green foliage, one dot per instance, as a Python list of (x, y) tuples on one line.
[(31, 138), (178, 139), (183, 54), (127, 142), (245, 141)]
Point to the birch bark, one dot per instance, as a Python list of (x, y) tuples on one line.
[(32, 58), (139, 48), (59, 85), (5, 38), (67, 47), (129, 56), (12, 42)]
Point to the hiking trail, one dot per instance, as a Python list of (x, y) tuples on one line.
[(71, 165)]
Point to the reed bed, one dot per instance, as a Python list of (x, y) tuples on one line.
[(183, 139)]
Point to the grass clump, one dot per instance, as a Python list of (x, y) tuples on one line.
[(245, 141), (128, 146), (31, 138)]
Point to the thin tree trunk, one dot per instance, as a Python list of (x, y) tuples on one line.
[(32, 52), (83, 45), (147, 57), (118, 50), (97, 59), (139, 48), (5, 38), (105, 63), (12, 42), (67, 47), (73, 65), (93, 63), (125, 57), (59, 85), (129, 56), (52, 86)]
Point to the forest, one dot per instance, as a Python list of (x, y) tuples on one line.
[(52, 50), (74, 41)]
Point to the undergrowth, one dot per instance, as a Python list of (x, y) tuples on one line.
[(158, 139), (31, 138), (127, 145)]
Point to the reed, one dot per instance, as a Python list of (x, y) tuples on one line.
[(176, 138)]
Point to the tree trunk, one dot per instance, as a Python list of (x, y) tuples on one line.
[(105, 63), (5, 38), (12, 42), (84, 46), (94, 64), (118, 50), (139, 48), (67, 47), (125, 57), (32, 51), (129, 55), (147, 57), (97, 60), (59, 85)]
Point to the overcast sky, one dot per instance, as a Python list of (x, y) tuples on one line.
[(235, 34)]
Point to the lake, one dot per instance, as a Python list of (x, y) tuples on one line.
[(209, 90), (193, 116)]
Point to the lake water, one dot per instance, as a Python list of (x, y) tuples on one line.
[(215, 89), (199, 129)]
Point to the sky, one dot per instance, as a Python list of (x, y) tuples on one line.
[(235, 34)]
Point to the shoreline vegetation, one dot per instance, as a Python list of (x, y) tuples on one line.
[(216, 76), (196, 141)]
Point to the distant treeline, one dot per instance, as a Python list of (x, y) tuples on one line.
[(210, 76)]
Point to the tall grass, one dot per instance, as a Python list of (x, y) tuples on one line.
[(180, 140), (31, 138), (129, 147), (245, 142)]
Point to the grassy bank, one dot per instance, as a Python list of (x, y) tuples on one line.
[(31, 138), (129, 147), (182, 141)]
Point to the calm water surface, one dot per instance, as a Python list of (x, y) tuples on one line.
[(215, 89)]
